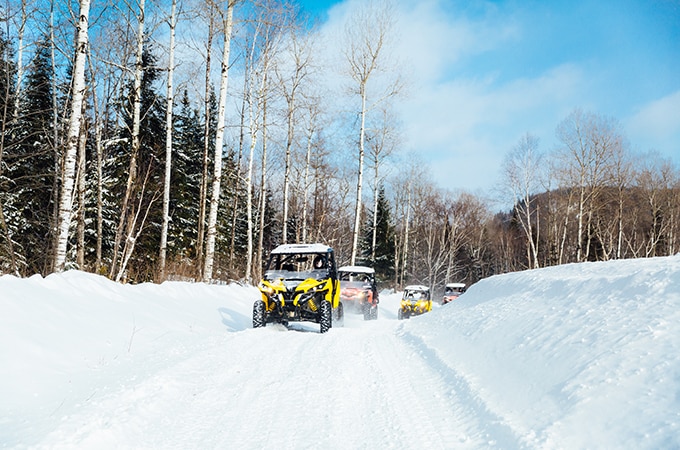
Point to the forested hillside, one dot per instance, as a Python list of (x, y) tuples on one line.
[(185, 139)]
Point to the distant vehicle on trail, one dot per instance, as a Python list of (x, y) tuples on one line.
[(416, 300), (359, 290), (452, 291)]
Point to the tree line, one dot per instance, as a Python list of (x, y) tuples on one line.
[(186, 139)]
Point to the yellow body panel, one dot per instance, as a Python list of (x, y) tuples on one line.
[(420, 306), (273, 290)]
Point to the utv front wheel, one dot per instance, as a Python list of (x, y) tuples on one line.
[(258, 314), (326, 319), (400, 314), (339, 318), (366, 311)]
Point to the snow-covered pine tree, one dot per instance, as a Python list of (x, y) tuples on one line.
[(30, 166), (186, 181), (8, 260)]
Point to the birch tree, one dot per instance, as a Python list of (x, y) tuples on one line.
[(21, 29), (292, 81), (172, 23), (74, 130), (381, 145), (200, 239), (311, 130), (367, 33), (259, 45), (253, 126), (521, 169), (622, 172), (588, 145), (656, 177), (81, 190), (274, 17), (227, 26), (136, 119)]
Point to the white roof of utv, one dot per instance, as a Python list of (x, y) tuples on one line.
[(356, 269), (416, 287), (455, 285), (301, 248)]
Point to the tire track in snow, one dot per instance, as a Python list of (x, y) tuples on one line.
[(412, 417), (496, 432), (359, 387)]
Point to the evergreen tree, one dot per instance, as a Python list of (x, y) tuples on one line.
[(7, 206), (186, 181), (384, 244), (30, 162)]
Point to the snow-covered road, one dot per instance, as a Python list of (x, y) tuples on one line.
[(360, 386)]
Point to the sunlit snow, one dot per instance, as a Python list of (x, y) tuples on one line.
[(576, 356)]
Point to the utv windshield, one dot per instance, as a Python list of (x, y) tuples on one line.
[(354, 284), (366, 278), (297, 267), (415, 295)]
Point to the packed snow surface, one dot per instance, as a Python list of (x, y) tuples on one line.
[(576, 356)]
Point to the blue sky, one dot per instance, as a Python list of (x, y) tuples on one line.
[(483, 73)]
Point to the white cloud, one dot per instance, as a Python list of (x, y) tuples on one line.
[(463, 109), (454, 117), (658, 119)]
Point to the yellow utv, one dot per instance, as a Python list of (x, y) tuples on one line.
[(415, 301), (300, 284)]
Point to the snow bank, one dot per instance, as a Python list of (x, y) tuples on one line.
[(576, 356), (65, 337)]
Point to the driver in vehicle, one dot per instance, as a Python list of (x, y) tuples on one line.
[(319, 262)]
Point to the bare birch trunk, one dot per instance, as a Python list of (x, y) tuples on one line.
[(237, 176), (367, 33), (54, 232), (308, 160), (579, 234), (286, 170), (249, 212), (80, 248), (65, 205), (376, 183), (168, 146), (100, 187), (20, 60), (407, 222), (290, 135), (136, 119), (357, 208), (132, 235), (200, 240), (219, 139), (249, 196), (252, 127), (263, 179)]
